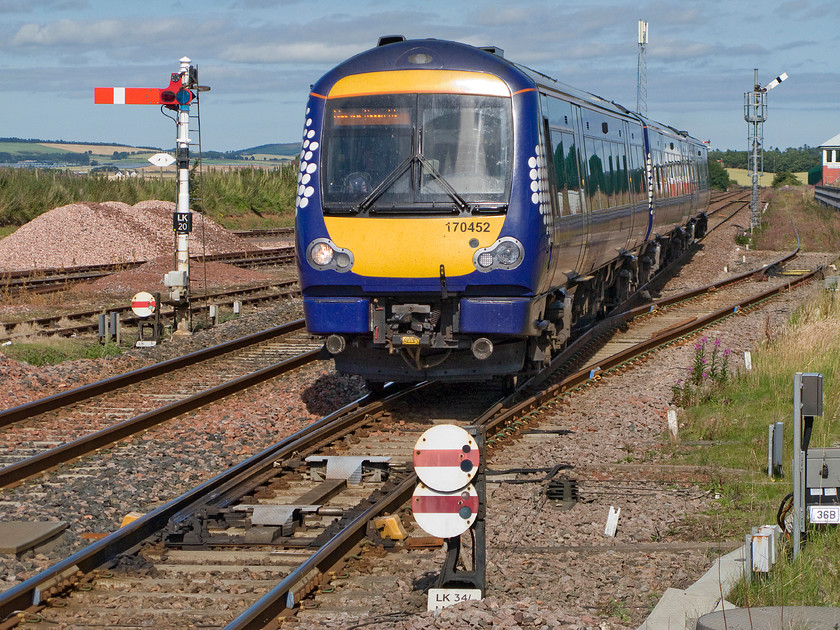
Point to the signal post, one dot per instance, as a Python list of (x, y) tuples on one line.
[(176, 96), (450, 500)]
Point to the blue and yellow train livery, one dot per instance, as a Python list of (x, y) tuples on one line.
[(460, 216)]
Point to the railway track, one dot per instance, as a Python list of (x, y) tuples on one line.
[(14, 283), (284, 514), (61, 325), (41, 434)]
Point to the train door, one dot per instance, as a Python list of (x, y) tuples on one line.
[(580, 169), (552, 205)]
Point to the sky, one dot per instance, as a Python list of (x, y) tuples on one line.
[(259, 57)]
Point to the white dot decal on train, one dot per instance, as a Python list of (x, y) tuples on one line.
[(308, 164)]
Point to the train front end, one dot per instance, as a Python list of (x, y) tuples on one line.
[(416, 245)]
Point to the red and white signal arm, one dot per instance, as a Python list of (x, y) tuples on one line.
[(444, 514), (143, 304), (446, 458)]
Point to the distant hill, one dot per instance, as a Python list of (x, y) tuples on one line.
[(17, 151), (32, 145), (283, 149)]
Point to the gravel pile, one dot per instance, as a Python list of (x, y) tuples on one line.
[(112, 232), (149, 277)]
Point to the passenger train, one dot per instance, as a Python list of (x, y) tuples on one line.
[(460, 216)]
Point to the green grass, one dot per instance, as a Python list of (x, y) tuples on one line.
[(54, 351), (818, 225), (729, 432), (28, 148), (242, 198)]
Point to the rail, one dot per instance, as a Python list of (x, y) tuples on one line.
[(828, 195)]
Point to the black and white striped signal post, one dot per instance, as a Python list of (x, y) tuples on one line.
[(450, 500)]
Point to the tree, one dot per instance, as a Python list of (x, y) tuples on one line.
[(718, 177)]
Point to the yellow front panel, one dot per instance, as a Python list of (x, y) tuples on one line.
[(419, 81), (413, 248)]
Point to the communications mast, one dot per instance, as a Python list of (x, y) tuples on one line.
[(641, 75)]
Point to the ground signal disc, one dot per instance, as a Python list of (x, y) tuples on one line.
[(444, 514), (143, 304), (446, 458)]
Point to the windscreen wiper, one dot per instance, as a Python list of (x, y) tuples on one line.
[(447, 187), (386, 183), (398, 172)]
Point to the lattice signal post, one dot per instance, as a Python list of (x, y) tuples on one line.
[(755, 113), (177, 96)]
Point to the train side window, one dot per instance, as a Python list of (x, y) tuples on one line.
[(573, 176), (559, 112), (597, 181), (566, 172)]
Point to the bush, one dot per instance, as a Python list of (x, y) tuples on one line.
[(785, 178)]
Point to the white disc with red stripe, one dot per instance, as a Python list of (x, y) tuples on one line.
[(143, 304), (446, 458), (444, 514)]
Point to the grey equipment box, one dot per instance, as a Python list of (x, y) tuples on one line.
[(822, 476)]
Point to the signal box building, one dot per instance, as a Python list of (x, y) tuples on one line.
[(831, 161)]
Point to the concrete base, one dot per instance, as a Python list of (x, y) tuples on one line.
[(772, 618), (679, 609), (19, 536)]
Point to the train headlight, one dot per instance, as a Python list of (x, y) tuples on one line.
[(506, 253), (323, 254)]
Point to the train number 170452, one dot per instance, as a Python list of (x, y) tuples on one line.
[(467, 226)]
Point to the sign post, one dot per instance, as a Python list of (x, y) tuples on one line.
[(448, 501), (144, 305)]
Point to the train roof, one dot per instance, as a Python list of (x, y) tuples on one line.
[(398, 53)]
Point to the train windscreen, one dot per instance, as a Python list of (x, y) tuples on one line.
[(410, 152)]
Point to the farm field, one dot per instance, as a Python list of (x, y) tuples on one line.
[(742, 177)]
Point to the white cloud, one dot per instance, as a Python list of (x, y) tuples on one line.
[(300, 52)]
